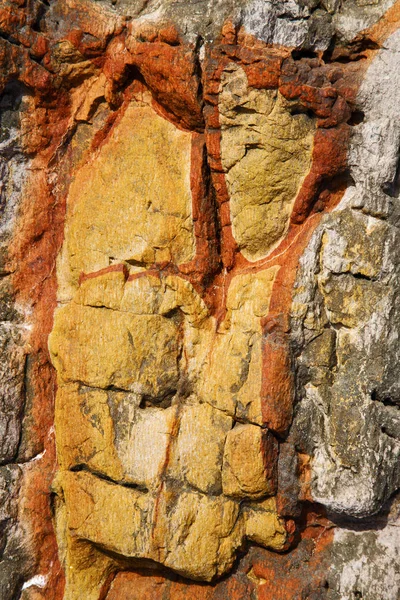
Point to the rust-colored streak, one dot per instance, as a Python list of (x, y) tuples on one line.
[(206, 260), (329, 162), (36, 244), (117, 268)]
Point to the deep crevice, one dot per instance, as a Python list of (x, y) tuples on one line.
[(134, 262), (38, 24), (109, 388), (244, 110), (356, 118), (353, 52), (199, 71), (82, 468), (303, 53), (339, 182), (386, 400), (344, 60), (386, 431), (299, 110), (164, 401), (361, 276), (10, 39), (93, 109), (392, 188)]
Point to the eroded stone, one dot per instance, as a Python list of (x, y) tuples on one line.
[(266, 153), (138, 185), (249, 460), (263, 526)]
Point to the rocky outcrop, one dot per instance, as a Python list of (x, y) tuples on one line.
[(199, 327)]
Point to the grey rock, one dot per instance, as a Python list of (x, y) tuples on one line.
[(12, 365), (288, 23), (364, 563), (303, 24), (348, 332), (8, 310), (352, 16), (347, 417), (375, 144), (13, 169), (13, 165), (13, 561)]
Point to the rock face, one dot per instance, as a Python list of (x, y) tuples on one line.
[(199, 281)]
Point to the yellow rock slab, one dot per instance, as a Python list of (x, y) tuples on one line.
[(94, 513), (203, 534), (201, 427), (85, 431), (243, 471), (263, 525), (131, 201), (265, 153), (102, 348)]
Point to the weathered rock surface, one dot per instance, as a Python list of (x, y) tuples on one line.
[(199, 322), (348, 323), (265, 152)]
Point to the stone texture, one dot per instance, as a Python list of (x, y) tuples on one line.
[(142, 186), (355, 468), (258, 133), (198, 299), (244, 473)]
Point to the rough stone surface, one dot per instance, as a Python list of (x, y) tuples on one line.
[(265, 152), (132, 201), (199, 281), (347, 317)]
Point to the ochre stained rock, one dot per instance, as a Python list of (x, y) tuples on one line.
[(199, 325), (117, 359), (266, 151), (243, 472), (237, 344), (131, 202), (141, 410), (263, 526)]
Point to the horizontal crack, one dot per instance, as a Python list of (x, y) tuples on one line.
[(81, 468)]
